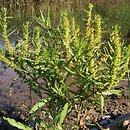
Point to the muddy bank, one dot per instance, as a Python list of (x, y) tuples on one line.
[(18, 95), (13, 104)]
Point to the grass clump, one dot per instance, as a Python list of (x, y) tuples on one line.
[(75, 71)]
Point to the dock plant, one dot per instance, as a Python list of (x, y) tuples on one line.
[(71, 72)]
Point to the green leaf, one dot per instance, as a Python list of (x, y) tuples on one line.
[(58, 127), (70, 71), (17, 124), (38, 105), (11, 85), (82, 81), (63, 114), (109, 92), (102, 104), (12, 32)]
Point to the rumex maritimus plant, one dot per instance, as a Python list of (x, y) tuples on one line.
[(75, 71)]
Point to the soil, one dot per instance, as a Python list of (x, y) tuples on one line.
[(115, 108), (19, 98), (14, 102)]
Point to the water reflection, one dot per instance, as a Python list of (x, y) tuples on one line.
[(1, 43)]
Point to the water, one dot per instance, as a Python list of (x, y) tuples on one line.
[(112, 12), (16, 96)]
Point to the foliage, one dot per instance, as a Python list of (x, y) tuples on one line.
[(76, 71), (17, 124), (115, 12)]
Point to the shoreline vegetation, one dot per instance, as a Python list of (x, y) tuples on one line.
[(112, 12), (53, 55)]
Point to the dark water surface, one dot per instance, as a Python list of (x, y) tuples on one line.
[(112, 12)]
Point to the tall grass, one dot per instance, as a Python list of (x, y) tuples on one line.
[(76, 71), (115, 12), (112, 12)]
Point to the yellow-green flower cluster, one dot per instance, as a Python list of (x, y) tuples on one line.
[(37, 41), (66, 38), (116, 56), (92, 69), (5, 35), (66, 31), (89, 19), (98, 28), (26, 37), (75, 33), (7, 61)]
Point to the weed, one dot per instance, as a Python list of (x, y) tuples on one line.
[(76, 71)]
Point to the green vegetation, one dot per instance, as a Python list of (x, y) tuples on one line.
[(112, 12), (71, 72), (115, 12)]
